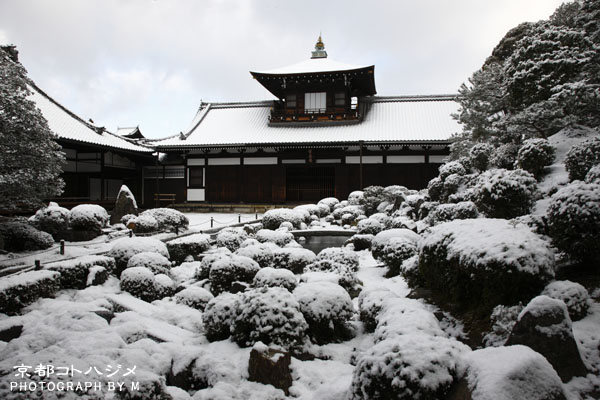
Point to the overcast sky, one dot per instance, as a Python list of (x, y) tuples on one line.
[(149, 63)]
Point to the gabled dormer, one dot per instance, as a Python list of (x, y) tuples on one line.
[(318, 90)]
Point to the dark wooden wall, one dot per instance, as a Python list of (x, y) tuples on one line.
[(298, 183)]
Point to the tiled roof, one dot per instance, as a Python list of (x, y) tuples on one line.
[(68, 126), (312, 65), (406, 119)]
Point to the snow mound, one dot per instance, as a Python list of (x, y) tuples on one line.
[(511, 372), (194, 297), (275, 278)]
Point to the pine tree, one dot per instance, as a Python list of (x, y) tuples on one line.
[(30, 160)]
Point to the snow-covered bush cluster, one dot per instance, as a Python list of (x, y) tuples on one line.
[(158, 219), (279, 237), (123, 249), (272, 277), (194, 297), (582, 157), (52, 219), (293, 259), (139, 282), (230, 273), (534, 155), (269, 315), (231, 238), (485, 262), (192, 245), (573, 218), (18, 291), (328, 310), (501, 193), (219, 315), (20, 236), (89, 217), (155, 262), (75, 273), (574, 295), (272, 219)]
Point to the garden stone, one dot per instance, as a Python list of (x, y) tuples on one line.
[(124, 205), (270, 366), (544, 325)]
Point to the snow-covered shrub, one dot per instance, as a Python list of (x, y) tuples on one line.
[(535, 155), (18, 291), (340, 255), (280, 238), (126, 218), (395, 252), (155, 262), (435, 188), (262, 253), (354, 198), (231, 238), (573, 218), (269, 315), (272, 219), (582, 157), (144, 223), (355, 211), (479, 155), (342, 274), (186, 271), (164, 286), (219, 315), (324, 209), (372, 197), (328, 310), (402, 316), (229, 269), (168, 219), (450, 168), (452, 211), (180, 249), (501, 193), (574, 295), (593, 175), (194, 297), (382, 238), (394, 194), (361, 242), (203, 270), (312, 209), (503, 319), (511, 372), (330, 202), (272, 277), (287, 226), (407, 367), (20, 236), (480, 263), (369, 306), (123, 249), (370, 226), (293, 259), (504, 156), (52, 219), (139, 282), (89, 217), (74, 273)]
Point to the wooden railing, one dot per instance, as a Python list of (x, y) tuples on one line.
[(165, 197)]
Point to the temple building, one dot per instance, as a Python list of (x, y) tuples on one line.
[(326, 134)]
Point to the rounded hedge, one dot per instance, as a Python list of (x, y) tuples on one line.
[(501, 193), (582, 157), (535, 155)]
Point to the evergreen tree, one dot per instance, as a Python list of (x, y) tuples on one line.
[(30, 160)]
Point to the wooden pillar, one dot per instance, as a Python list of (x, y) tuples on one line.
[(361, 164), (102, 189), (157, 188)]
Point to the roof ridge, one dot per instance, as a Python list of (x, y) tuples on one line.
[(406, 98)]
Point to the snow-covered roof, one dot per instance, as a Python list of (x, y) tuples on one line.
[(68, 126), (419, 119), (313, 65)]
